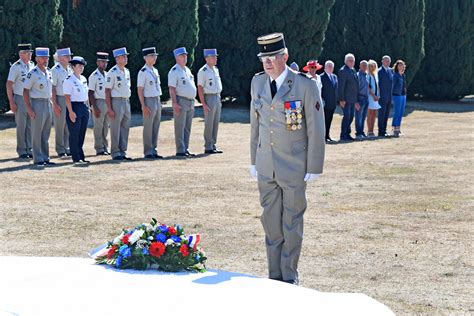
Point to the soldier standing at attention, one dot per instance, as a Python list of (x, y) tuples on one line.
[(149, 92), (209, 89), (287, 151), (117, 97), (182, 92), (37, 93), (97, 101), (16, 78), (60, 72)]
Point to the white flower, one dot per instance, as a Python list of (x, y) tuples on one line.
[(118, 239), (149, 227), (135, 236), (141, 243), (169, 242), (183, 238)]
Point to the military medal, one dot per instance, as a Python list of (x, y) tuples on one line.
[(294, 115)]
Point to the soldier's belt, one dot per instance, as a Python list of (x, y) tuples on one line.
[(40, 99), (190, 100)]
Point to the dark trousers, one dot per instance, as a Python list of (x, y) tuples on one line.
[(328, 115), (347, 119), (77, 130), (361, 115), (384, 113)]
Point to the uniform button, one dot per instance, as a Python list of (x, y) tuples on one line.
[(271, 120), (271, 132), (271, 144), (273, 108)]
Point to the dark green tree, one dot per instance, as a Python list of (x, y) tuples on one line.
[(370, 29), (36, 22), (108, 24), (233, 27), (447, 72)]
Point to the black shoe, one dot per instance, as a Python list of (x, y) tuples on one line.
[(218, 151), (181, 155), (103, 153), (118, 158), (49, 163), (212, 151), (30, 156), (156, 156), (24, 156), (291, 282), (62, 155), (149, 156), (41, 163), (68, 154), (85, 161), (187, 153), (127, 158)]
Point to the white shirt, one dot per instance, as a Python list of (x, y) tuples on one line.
[(96, 84), (183, 80), (59, 75), (119, 82), (17, 75), (281, 78), (210, 80), (39, 83), (76, 88), (149, 80)]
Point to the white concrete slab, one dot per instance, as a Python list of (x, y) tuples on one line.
[(76, 286)]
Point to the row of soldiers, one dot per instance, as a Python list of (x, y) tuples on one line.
[(36, 92)]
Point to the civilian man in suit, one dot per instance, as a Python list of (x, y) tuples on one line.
[(329, 96), (348, 93), (385, 74)]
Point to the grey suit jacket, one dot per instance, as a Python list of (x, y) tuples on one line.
[(274, 148)]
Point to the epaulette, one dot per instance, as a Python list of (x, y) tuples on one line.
[(305, 75), (174, 68), (204, 68), (35, 69), (143, 69), (259, 73), (58, 66), (16, 63)]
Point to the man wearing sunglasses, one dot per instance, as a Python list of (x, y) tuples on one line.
[(287, 151)]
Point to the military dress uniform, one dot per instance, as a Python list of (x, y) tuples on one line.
[(183, 80), (287, 146), (17, 74), (209, 79), (60, 127), (101, 123), (149, 80), (119, 81), (40, 87), (77, 89)]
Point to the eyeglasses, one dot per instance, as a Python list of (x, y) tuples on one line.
[(272, 58)]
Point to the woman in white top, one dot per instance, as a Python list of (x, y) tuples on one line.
[(76, 93), (374, 94)]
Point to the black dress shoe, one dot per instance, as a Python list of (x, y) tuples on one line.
[(49, 163), (62, 155), (156, 156), (218, 151), (189, 154), (68, 154), (103, 153), (85, 161), (118, 158), (212, 151), (127, 158), (181, 155), (291, 282), (30, 156), (40, 163), (24, 156), (149, 156)]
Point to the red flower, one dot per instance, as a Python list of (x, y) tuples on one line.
[(184, 250), (157, 249), (125, 238), (172, 230), (111, 252)]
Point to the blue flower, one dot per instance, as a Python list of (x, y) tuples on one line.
[(125, 251), (118, 262), (175, 238), (197, 257), (145, 251), (163, 228), (178, 228), (160, 238)]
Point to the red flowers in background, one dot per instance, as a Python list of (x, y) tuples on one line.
[(184, 250), (172, 230), (125, 239), (157, 249)]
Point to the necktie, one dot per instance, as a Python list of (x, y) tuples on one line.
[(273, 88)]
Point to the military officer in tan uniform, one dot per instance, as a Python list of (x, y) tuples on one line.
[(209, 90), (37, 93), (287, 151), (16, 78), (97, 101), (149, 92), (183, 93), (60, 72), (117, 96)]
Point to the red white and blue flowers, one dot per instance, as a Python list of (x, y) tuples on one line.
[(153, 246)]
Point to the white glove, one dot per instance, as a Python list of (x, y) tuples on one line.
[(311, 177), (253, 172)]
